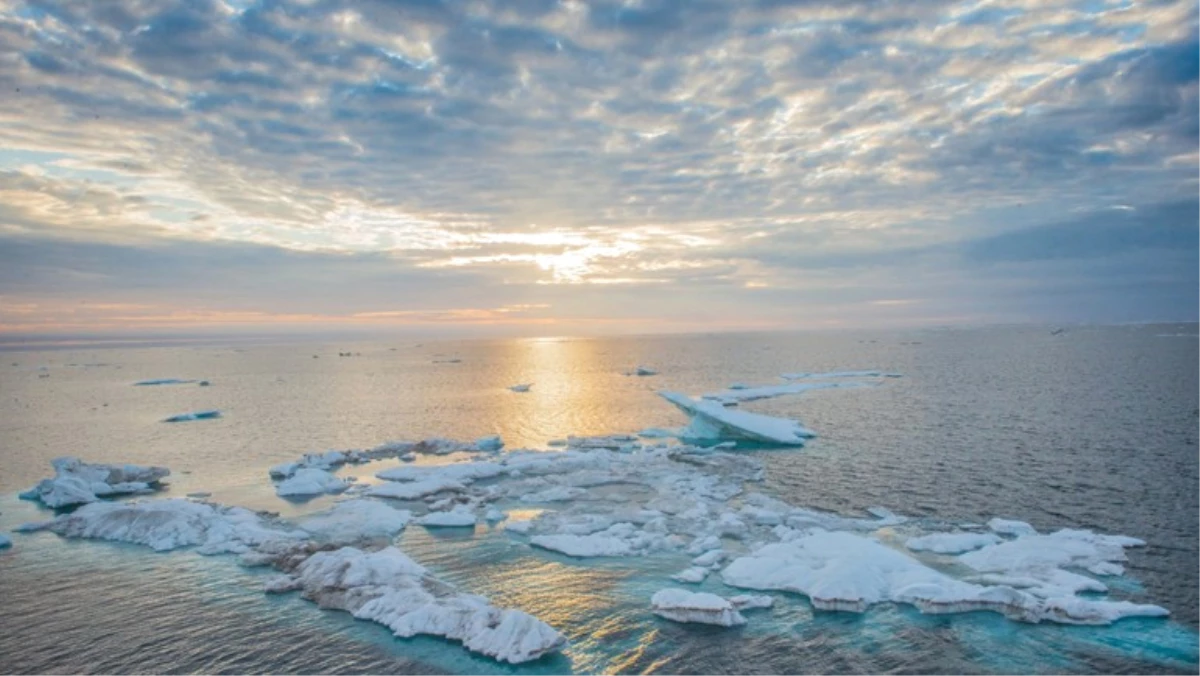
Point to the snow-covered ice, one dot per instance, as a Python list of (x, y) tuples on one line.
[(1009, 527), (693, 575), (458, 517), (391, 589), (310, 481), (76, 482), (682, 605), (845, 571), (355, 520), (951, 543), (713, 421)]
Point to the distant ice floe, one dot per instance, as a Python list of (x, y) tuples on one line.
[(642, 371), (711, 420), (522, 387), (164, 381), (840, 374), (198, 415), (76, 482), (735, 395)]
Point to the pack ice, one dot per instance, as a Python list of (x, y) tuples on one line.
[(76, 482)]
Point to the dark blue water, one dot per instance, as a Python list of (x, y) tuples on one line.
[(1094, 428)]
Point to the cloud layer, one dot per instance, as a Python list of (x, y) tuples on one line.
[(635, 166)]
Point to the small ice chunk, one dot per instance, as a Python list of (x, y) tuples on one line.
[(494, 515), (458, 517), (5, 541), (951, 543), (198, 415), (310, 481), (1007, 527), (583, 546), (681, 605), (694, 575), (200, 495), (522, 387), (521, 527), (415, 490), (644, 371), (164, 381), (710, 558), (556, 443), (751, 601), (489, 444)]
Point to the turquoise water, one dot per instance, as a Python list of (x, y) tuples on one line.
[(1095, 428)]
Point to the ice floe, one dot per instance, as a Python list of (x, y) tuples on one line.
[(849, 572), (76, 482), (357, 520), (711, 420), (164, 381), (522, 387), (391, 589), (5, 541), (951, 543), (740, 394), (198, 415), (170, 524), (310, 481), (1009, 527), (460, 516), (681, 605), (840, 374)]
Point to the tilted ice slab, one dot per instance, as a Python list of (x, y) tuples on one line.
[(951, 543), (740, 394), (76, 482), (163, 525), (711, 420), (682, 605), (391, 589), (310, 481), (844, 571)]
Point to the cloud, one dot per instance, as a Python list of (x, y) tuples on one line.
[(732, 153)]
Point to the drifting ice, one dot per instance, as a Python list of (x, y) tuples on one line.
[(681, 605), (76, 482), (198, 415), (714, 421)]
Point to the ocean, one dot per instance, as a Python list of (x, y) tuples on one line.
[(1093, 427)]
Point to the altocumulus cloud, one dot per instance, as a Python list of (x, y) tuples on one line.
[(563, 165)]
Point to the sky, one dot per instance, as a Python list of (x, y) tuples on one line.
[(550, 167)]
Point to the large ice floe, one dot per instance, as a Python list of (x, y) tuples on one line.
[(381, 584), (76, 482)]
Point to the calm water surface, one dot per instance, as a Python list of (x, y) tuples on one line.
[(1095, 428)]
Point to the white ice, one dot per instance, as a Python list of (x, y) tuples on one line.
[(170, 524), (713, 421), (391, 589), (460, 516), (951, 543), (844, 571), (740, 394), (355, 520), (681, 605), (76, 482), (310, 481), (1008, 527)]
